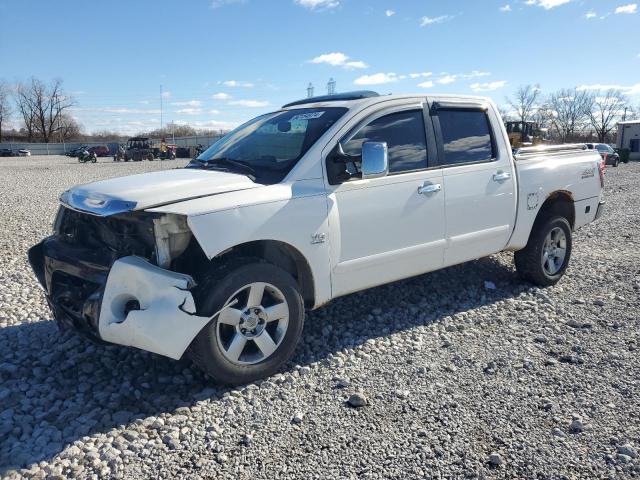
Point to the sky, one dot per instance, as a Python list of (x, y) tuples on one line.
[(222, 62)]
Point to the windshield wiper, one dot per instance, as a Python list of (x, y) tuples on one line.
[(229, 162)]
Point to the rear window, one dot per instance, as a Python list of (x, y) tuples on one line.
[(466, 136)]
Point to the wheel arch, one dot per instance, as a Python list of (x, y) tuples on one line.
[(280, 254), (559, 202)]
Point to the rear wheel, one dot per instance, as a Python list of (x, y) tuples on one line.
[(546, 257), (258, 329), (150, 157)]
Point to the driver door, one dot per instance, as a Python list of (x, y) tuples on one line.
[(392, 227)]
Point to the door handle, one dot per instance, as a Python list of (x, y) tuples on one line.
[(501, 176), (429, 188)]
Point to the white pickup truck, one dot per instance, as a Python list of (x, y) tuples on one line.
[(324, 197)]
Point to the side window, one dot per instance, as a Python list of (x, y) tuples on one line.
[(405, 137), (466, 136)]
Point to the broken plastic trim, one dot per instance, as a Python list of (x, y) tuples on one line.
[(166, 322)]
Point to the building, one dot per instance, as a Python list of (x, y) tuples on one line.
[(629, 137)]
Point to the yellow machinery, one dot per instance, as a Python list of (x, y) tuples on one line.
[(525, 134)]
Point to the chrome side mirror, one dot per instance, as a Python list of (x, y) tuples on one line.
[(375, 160)]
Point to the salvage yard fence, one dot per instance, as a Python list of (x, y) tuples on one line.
[(62, 148)]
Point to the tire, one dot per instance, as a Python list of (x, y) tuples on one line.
[(150, 157), (616, 162), (530, 261), (212, 349)]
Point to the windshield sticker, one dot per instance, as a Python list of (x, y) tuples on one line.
[(306, 116)]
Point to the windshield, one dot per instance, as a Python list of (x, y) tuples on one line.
[(267, 147)]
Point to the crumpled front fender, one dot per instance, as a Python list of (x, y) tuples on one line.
[(166, 322)]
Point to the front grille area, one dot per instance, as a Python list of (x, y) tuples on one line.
[(125, 234)]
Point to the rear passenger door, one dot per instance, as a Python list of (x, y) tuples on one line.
[(478, 177)]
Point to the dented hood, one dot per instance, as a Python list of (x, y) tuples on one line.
[(137, 192)]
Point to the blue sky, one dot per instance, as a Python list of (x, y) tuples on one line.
[(221, 62)]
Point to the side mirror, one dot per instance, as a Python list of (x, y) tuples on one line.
[(375, 160)]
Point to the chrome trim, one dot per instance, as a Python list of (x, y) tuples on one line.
[(501, 176), (428, 188), (98, 205)]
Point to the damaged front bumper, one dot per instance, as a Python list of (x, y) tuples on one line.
[(127, 301)]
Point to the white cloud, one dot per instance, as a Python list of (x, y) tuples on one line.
[(547, 4), (338, 59), (427, 84), (447, 79), (627, 90), (475, 73), (377, 79), (213, 112), (119, 110), (420, 74), (318, 4), (389, 13), (221, 96), (187, 103), (506, 8), (431, 20), (166, 94), (630, 8), (249, 103), (236, 83), (189, 111), (488, 86), (590, 14)]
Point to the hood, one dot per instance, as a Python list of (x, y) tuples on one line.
[(138, 192)]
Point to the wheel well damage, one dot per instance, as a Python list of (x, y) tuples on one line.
[(281, 255)]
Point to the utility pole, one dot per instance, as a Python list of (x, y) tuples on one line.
[(160, 109), (310, 90)]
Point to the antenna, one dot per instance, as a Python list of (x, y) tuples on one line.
[(310, 90), (331, 87)]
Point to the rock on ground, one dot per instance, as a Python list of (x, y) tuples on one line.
[(455, 370)]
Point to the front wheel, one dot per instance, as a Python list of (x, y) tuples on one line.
[(546, 257), (259, 324)]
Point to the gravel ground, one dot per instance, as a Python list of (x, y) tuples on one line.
[(465, 372)]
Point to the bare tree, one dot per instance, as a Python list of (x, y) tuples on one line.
[(68, 128), (505, 113), (570, 108), (5, 106), (524, 103), (41, 107), (605, 111)]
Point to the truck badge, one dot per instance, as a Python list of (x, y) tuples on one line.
[(318, 238)]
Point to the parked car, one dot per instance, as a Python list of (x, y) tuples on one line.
[(609, 155), (6, 152), (24, 153), (100, 150), (76, 151), (324, 197)]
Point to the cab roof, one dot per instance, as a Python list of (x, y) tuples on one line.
[(368, 97)]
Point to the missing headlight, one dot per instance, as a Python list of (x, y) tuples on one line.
[(172, 237)]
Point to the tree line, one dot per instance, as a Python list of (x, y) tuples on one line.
[(571, 114), (43, 113)]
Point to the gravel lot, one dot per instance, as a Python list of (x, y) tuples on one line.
[(466, 372)]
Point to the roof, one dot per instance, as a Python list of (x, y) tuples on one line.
[(367, 97), (629, 122), (356, 95)]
